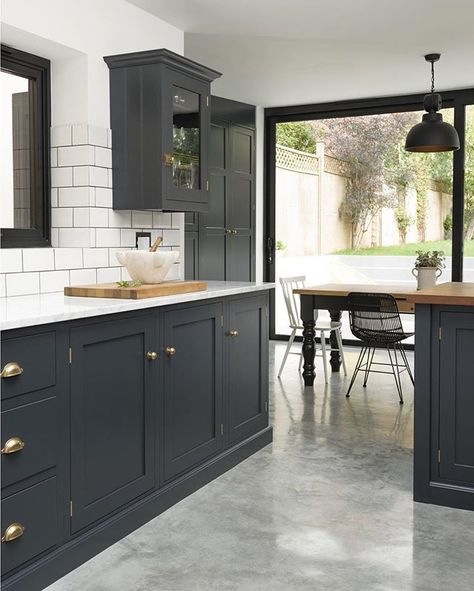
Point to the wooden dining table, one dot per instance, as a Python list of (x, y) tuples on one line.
[(334, 298)]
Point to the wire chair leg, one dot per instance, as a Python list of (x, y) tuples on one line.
[(396, 372), (356, 369), (322, 336), (405, 361), (370, 358), (288, 347), (341, 350)]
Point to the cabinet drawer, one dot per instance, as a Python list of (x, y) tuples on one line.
[(35, 509), (33, 427), (36, 356)]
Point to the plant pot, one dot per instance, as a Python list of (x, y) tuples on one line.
[(426, 276)]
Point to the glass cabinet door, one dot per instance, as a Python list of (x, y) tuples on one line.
[(186, 170)]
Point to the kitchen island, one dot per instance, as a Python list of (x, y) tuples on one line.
[(444, 395), (114, 410)]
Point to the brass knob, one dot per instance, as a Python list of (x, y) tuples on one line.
[(152, 355), (170, 351), (11, 370), (12, 445), (233, 333), (227, 231), (234, 231), (13, 531), (168, 159)]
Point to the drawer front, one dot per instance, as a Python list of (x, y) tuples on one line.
[(36, 356), (35, 509), (30, 433)]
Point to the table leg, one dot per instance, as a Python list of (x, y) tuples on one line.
[(309, 348), (335, 359)]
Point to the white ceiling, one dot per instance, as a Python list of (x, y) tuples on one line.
[(281, 52)]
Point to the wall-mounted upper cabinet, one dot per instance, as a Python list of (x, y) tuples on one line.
[(159, 112)]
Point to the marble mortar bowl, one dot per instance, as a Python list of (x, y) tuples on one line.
[(145, 266)]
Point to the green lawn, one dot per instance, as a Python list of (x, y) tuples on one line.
[(410, 249)]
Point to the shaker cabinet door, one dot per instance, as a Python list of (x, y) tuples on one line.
[(247, 367), (112, 416), (192, 361)]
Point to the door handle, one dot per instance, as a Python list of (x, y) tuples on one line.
[(270, 249)]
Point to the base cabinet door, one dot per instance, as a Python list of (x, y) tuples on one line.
[(192, 363), (456, 398), (247, 367), (112, 410)]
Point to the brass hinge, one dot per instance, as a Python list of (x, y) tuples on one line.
[(222, 320), (222, 429), (207, 185), (70, 508), (265, 406), (207, 101), (70, 354), (439, 456), (439, 333)]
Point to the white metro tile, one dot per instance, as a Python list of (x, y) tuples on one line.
[(103, 197), (109, 138), (108, 275), (120, 219), (61, 177), (76, 156), (22, 283), (54, 237), (128, 238), (11, 260), (54, 157), (61, 135), (80, 134), (54, 197), (68, 258), (38, 259), (61, 217), (98, 136), (3, 285), (142, 219), (110, 178), (92, 237), (96, 257), (81, 176), (53, 281), (161, 220), (99, 217), (83, 276), (82, 217), (74, 196), (177, 220), (171, 237), (74, 237), (98, 177), (103, 157), (107, 237)]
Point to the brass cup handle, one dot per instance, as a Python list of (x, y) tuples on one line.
[(152, 355), (233, 333), (170, 351), (12, 445), (13, 531), (168, 159), (11, 370)]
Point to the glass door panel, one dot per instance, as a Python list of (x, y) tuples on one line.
[(186, 138), (468, 274)]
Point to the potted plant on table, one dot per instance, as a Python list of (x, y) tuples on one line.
[(428, 267)]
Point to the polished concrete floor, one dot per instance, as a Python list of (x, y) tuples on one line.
[(327, 507)]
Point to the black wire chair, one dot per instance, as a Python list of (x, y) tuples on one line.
[(375, 320)]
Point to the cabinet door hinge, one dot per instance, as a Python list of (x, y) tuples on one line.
[(207, 185), (70, 354), (222, 320), (439, 333), (70, 508), (439, 456), (265, 406), (207, 101), (222, 429)]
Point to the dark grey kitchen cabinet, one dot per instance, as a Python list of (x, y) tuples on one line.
[(160, 118), (247, 363), (193, 380), (112, 422), (456, 398)]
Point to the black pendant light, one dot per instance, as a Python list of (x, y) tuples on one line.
[(432, 134)]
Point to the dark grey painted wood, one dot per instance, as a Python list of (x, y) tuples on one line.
[(233, 111), (112, 416), (192, 386), (456, 397), (36, 509), (247, 390), (191, 245)]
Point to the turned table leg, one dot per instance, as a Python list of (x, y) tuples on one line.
[(309, 349), (335, 359)]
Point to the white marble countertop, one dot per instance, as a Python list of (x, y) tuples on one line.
[(32, 310)]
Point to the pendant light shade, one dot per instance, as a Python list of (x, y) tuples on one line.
[(432, 134)]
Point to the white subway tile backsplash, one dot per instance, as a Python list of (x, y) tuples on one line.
[(54, 197), (80, 134), (54, 237), (54, 157), (82, 217), (99, 217), (109, 138), (53, 281), (107, 237), (98, 136), (162, 220), (103, 157), (61, 217), (11, 260), (74, 237), (98, 177), (96, 257), (61, 177), (74, 196), (61, 135), (103, 197), (68, 258), (128, 237), (22, 283), (177, 220), (113, 262), (81, 176), (171, 237), (92, 238), (76, 155), (119, 219), (38, 259), (142, 219), (3, 285), (110, 177), (108, 275), (83, 276)]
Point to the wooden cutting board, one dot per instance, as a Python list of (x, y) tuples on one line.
[(112, 290)]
